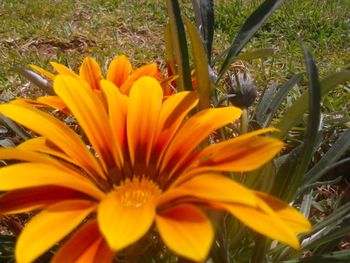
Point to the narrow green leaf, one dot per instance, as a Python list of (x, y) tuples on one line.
[(178, 38), (313, 124), (255, 54), (15, 127), (201, 66), (294, 114), (264, 104), (207, 29), (342, 256), (37, 80), (247, 31), (169, 50), (332, 155)]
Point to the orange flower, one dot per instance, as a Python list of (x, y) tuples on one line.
[(142, 169)]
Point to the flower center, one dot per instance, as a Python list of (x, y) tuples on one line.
[(137, 192)]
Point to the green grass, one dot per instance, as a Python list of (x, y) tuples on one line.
[(67, 31)]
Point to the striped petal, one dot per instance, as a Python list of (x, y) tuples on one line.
[(29, 199), (63, 70), (187, 231), (244, 153), (119, 70), (264, 221), (56, 132), (210, 188), (117, 110), (147, 70), (90, 72), (193, 132), (49, 227), (289, 215), (123, 224), (90, 113), (171, 116), (19, 176), (145, 102), (87, 245)]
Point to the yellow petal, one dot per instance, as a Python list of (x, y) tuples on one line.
[(244, 153), (143, 110), (172, 113), (187, 231), (28, 199), (42, 71), (63, 70), (211, 188), (289, 215), (90, 113), (122, 224), (119, 70), (54, 102), (90, 72), (193, 132), (264, 221), (86, 246), (117, 110), (26, 175), (56, 132), (147, 70), (49, 227)]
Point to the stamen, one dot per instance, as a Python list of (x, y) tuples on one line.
[(137, 192)]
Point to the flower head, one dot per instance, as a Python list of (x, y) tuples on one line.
[(142, 169)]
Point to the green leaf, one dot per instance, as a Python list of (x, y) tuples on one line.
[(178, 38), (201, 66), (247, 31), (207, 26), (255, 54), (15, 127), (264, 104), (169, 50), (342, 256), (294, 114), (332, 155), (37, 80)]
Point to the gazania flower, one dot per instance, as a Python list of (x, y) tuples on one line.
[(142, 170), (119, 72)]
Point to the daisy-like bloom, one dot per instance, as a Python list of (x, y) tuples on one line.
[(119, 72), (142, 170)]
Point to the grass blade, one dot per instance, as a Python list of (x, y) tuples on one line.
[(179, 41), (247, 31), (201, 66)]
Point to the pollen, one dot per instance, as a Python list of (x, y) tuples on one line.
[(137, 192)]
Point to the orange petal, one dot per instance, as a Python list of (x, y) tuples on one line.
[(56, 132), (147, 70), (117, 110), (43, 72), (289, 215), (28, 199), (187, 231), (172, 113), (145, 102), (49, 227), (54, 102), (24, 175), (263, 220), (90, 72), (193, 132), (90, 113), (244, 153), (87, 245), (122, 224), (119, 70), (63, 70), (211, 188)]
